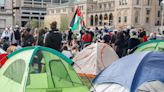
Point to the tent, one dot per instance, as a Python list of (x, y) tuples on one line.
[(39, 69), (93, 59), (138, 72), (154, 45)]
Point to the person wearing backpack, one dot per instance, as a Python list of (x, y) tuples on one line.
[(53, 38)]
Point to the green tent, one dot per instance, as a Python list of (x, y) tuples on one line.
[(39, 69), (154, 45)]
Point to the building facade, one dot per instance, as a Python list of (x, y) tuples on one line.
[(62, 13), (26, 10), (115, 13), (6, 18), (138, 13)]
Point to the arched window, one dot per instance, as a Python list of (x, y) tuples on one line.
[(105, 16), (136, 17), (91, 20), (110, 19), (96, 20), (101, 18)]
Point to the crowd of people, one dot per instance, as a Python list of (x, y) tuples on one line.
[(70, 43)]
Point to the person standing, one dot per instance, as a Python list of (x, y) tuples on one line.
[(40, 37), (70, 34), (120, 43), (133, 41), (17, 34), (53, 38), (27, 38)]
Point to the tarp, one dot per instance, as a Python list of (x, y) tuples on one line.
[(134, 70), (154, 45), (94, 58)]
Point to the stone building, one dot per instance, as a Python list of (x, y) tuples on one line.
[(6, 18), (138, 13), (114, 13), (26, 10), (62, 13)]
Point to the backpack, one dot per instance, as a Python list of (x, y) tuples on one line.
[(17, 35)]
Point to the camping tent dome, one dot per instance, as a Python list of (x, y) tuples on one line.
[(131, 72), (39, 69), (154, 45), (94, 58)]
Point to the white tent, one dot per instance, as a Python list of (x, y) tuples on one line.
[(94, 58)]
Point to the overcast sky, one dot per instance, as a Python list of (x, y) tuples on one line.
[(1, 2)]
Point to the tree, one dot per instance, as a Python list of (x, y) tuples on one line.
[(34, 23)]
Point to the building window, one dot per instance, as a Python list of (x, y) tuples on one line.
[(120, 3), (25, 12), (148, 2), (109, 5), (91, 22), (51, 11), (58, 11), (159, 13), (100, 6), (158, 23), (101, 19), (110, 19), (123, 2), (64, 10), (2, 7), (28, 3), (136, 19), (119, 19), (125, 19), (105, 6), (147, 12), (25, 17), (96, 20), (105, 17), (137, 2), (147, 19)]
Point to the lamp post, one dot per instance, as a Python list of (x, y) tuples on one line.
[(162, 3)]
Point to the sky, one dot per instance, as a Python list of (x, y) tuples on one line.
[(2, 2)]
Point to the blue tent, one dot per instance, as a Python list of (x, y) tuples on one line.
[(134, 70)]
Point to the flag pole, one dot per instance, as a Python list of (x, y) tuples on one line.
[(162, 3)]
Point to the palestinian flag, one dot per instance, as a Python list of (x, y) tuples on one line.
[(76, 20)]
